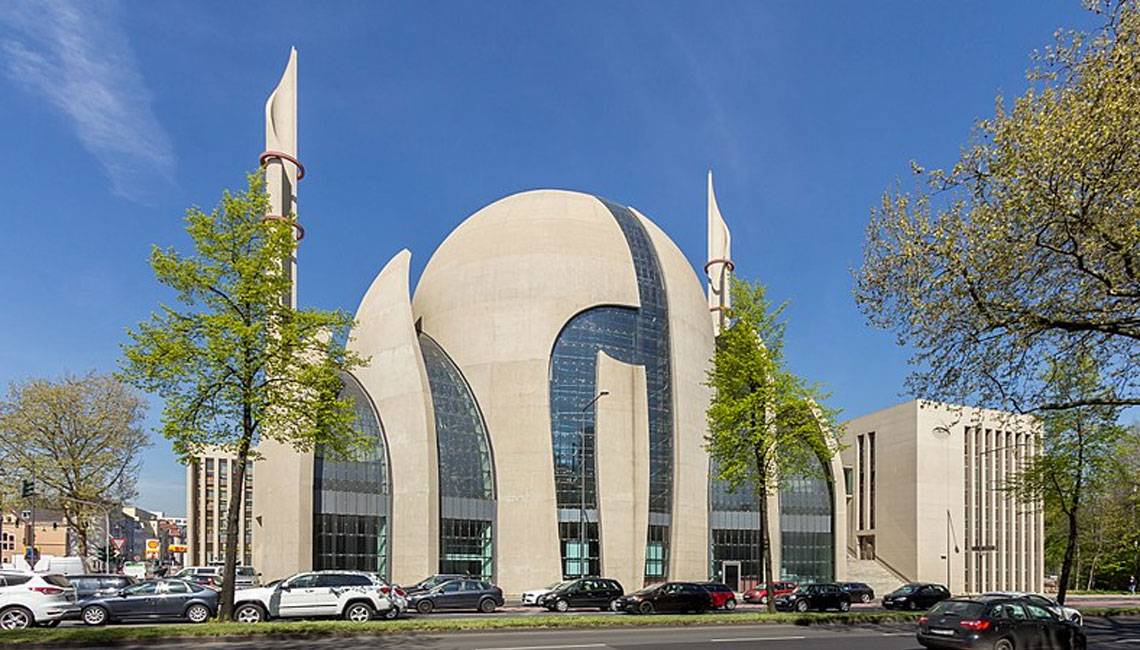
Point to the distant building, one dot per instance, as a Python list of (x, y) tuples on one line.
[(209, 486), (928, 480), (51, 534)]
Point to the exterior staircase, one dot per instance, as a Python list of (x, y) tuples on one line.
[(873, 573)]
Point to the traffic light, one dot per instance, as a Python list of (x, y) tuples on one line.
[(28, 489)]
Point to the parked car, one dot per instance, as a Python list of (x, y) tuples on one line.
[(860, 592), (916, 596), (463, 593), (152, 599), (531, 596), (1062, 611), (817, 597), (722, 596), (98, 584), (666, 597), (211, 576), (28, 599), (352, 595), (759, 593), (583, 592), (997, 623), (431, 582)]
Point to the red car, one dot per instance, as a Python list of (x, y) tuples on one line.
[(759, 593), (722, 596)]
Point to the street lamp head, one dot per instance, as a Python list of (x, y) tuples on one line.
[(603, 393)]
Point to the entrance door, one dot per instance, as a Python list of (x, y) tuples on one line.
[(730, 572)]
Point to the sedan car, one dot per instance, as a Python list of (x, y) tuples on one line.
[(817, 597), (1062, 611), (997, 623), (916, 596), (583, 592), (152, 599), (464, 593), (666, 597), (759, 593), (722, 596), (860, 592), (530, 597)]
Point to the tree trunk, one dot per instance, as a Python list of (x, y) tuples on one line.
[(765, 547), (1067, 563), (233, 517)]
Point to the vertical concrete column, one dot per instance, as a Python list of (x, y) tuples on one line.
[(622, 469)]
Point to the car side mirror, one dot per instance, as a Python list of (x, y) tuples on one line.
[(122, 593), (284, 587)]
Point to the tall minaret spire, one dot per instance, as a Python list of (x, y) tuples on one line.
[(282, 169), (719, 266)]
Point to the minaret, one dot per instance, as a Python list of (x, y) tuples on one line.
[(282, 169), (719, 266)]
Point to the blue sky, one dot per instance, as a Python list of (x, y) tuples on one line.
[(116, 117)]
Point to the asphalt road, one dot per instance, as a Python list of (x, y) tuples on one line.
[(1104, 634)]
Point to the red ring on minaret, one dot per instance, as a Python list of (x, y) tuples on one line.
[(299, 230), (728, 263), (266, 156)]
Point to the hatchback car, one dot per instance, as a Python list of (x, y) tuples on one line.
[(96, 584), (759, 593), (817, 597), (465, 593), (997, 623), (530, 596), (722, 596), (860, 592), (1062, 611), (431, 582), (152, 599), (916, 596), (28, 599), (583, 592), (666, 597)]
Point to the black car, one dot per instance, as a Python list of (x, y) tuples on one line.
[(860, 592), (916, 596), (464, 593), (150, 600), (817, 597), (584, 592), (98, 584), (666, 597), (431, 582), (997, 623)]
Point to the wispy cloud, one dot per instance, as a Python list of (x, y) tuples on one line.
[(77, 57)]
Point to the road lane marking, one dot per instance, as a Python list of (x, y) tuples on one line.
[(550, 647), (757, 638)]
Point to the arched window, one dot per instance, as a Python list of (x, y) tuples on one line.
[(807, 527)]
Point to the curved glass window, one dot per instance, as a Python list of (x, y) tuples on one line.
[(807, 528), (734, 532), (351, 497), (634, 336), (466, 469)]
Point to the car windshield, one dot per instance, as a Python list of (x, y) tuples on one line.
[(959, 608), (558, 585)]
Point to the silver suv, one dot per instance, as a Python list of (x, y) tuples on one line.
[(28, 599), (352, 595)]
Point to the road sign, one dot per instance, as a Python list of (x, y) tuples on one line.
[(152, 549), (118, 543)]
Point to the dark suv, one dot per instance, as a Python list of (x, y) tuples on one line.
[(584, 592), (815, 597), (997, 623), (916, 596)]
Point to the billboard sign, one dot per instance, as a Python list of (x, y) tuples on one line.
[(152, 548)]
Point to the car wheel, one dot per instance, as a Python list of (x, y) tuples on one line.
[(487, 606), (844, 606), (911, 605), (15, 618), (392, 614), (866, 598), (249, 613), (801, 605), (645, 608), (358, 612), (561, 605), (763, 600), (731, 604), (1003, 644), (94, 615), (197, 613), (425, 606)]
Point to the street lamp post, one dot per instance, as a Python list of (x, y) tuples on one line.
[(944, 433), (582, 554)]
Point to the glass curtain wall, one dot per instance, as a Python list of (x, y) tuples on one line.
[(466, 469), (635, 336), (352, 497), (807, 528), (734, 531)]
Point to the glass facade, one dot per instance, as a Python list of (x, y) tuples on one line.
[(734, 530), (352, 497), (637, 337), (807, 528), (466, 469)]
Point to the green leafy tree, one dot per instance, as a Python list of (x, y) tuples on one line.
[(80, 439), (1028, 248), (1077, 456), (766, 424), (234, 363)]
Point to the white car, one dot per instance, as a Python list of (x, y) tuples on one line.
[(530, 598), (28, 599), (352, 595), (1066, 613)]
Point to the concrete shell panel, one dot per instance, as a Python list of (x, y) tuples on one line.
[(396, 381), (692, 347), (495, 295)]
